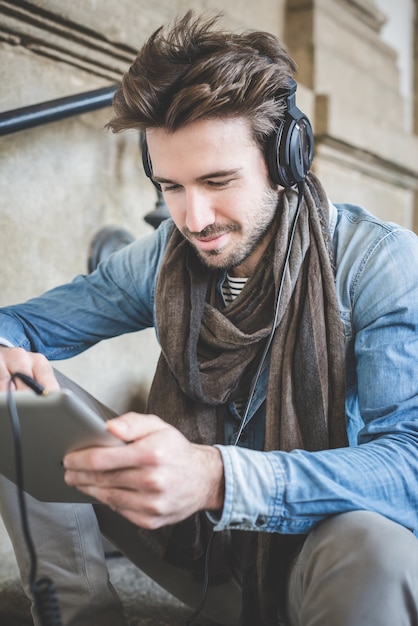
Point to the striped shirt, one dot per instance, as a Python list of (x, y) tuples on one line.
[(231, 288)]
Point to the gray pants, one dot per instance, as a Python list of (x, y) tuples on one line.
[(355, 569)]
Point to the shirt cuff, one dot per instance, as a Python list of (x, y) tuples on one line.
[(5, 343), (253, 491)]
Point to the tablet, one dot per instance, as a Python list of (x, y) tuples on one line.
[(51, 426)]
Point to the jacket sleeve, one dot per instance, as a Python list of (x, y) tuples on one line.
[(117, 298), (291, 492)]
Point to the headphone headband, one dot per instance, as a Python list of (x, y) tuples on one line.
[(289, 150)]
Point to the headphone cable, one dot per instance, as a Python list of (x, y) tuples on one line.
[(202, 602), (43, 589), (245, 421)]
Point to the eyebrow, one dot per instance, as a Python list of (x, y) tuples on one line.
[(217, 174)]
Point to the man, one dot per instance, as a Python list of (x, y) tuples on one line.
[(252, 285)]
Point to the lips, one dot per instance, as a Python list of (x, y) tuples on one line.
[(213, 242)]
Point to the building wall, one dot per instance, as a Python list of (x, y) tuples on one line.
[(398, 32), (364, 150), (61, 183)]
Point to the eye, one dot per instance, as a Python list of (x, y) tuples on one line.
[(219, 183), (168, 188)]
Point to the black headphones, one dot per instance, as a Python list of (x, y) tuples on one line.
[(146, 160), (289, 150)]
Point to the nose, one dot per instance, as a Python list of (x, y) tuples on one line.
[(200, 212)]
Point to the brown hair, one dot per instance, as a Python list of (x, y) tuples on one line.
[(195, 72)]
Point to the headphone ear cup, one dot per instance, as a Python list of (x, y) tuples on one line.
[(289, 151), (272, 155), (146, 160)]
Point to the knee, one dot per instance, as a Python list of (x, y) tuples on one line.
[(355, 568), (365, 541)]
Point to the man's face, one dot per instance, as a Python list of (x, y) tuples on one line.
[(215, 183)]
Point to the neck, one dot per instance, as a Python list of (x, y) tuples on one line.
[(248, 266)]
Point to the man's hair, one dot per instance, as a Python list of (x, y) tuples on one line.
[(196, 72)]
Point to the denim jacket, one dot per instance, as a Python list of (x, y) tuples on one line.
[(287, 492)]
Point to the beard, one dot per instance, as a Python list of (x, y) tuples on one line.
[(248, 237)]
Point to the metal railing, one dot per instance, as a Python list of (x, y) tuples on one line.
[(28, 117), (54, 110)]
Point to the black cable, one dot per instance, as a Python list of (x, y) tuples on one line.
[(197, 612), (244, 419), (43, 590)]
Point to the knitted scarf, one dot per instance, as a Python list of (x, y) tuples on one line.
[(209, 356)]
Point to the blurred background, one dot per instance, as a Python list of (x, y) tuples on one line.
[(62, 182)]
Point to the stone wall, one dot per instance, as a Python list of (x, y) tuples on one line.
[(60, 183), (363, 153)]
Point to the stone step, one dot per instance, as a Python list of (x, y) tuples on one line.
[(145, 603)]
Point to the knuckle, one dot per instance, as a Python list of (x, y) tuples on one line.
[(16, 357), (152, 516), (95, 464), (111, 502), (158, 455), (39, 359), (154, 483), (19, 351), (100, 478), (152, 523), (21, 355), (158, 508)]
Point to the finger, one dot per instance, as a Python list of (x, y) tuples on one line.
[(13, 360), (103, 458), (136, 507), (44, 373), (4, 380), (132, 426), (31, 364), (148, 442), (127, 479)]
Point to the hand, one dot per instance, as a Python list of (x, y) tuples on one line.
[(31, 363), (157, 478)]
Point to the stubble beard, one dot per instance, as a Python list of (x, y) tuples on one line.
[(258, 229)]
